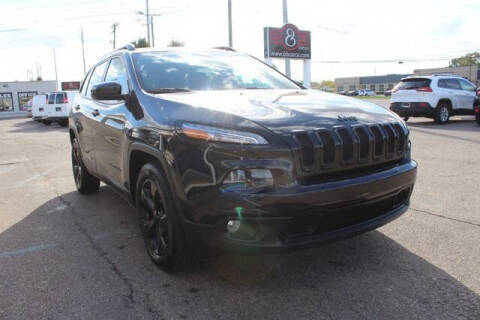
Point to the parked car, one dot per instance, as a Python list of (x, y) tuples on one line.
[(343, 92), (366, 92), (352, 93), (437, 96), (39, 103), (59, 106), (388, 92), (250, 162)]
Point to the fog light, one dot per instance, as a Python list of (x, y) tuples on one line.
[(248, 180), (233, 226)]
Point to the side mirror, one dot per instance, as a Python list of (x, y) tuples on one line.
[(107, 91)]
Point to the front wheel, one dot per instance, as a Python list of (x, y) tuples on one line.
[(159, 221), (84, 181), (442, 114)]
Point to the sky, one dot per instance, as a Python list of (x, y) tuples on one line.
[(379, 34)]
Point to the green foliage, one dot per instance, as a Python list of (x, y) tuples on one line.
[(470, 59), (141, 43), (323, 84)]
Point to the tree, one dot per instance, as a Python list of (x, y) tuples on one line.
[(175, 43), (470, 59), (141, 43)]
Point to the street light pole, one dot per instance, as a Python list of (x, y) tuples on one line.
[(55, 64), (147, 17), (285, 20), (230, 38)]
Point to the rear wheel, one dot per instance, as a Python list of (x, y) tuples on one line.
[(477, 118), (84, 181), (442, 113), (406, 119), (159, 222), (47, 122)]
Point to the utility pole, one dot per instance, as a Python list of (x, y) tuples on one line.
[(285, 20), (147, 17), (55, 64), (153, 33), (114, 31), (230, 39), (83, 51)]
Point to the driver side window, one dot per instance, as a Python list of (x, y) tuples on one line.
[(96, 78), (117, 73)]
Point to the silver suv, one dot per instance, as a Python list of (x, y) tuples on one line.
[(436, 96)]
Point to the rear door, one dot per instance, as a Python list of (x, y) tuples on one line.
[(468, 94), (50, 107), (110, 136), (455, 91), (84, 113)]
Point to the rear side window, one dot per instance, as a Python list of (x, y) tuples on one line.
[(96, 78), (453, 84), (414, 83)]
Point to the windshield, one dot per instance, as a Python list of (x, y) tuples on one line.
[(207, 70)]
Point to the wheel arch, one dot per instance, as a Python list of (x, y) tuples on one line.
[(447, 101), (138, 156)]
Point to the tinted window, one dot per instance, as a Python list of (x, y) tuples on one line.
[(466, 85), (60, 98), (51, 98), (442, 83), (208, 70), (453, 84), (413, 83), (117, 73), (96, 78)]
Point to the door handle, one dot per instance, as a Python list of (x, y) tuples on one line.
[(77, 107), (95, 112)]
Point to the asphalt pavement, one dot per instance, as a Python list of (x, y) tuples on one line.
[(68, 256)]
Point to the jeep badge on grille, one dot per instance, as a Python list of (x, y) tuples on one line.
[(347, 118)]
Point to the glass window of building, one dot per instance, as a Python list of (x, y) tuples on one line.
[(24, 98), (381, 87), (6, 102)]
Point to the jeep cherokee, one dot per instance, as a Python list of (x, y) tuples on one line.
[(217, 150)]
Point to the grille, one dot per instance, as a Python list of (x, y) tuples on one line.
[(346, 147)]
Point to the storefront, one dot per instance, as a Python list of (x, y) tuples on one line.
[(15, 96)]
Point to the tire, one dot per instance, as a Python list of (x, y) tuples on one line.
[(477, 118), (84, 181), (406, 119), (63, 123), (442, 113), (159, 221), (47, 122)]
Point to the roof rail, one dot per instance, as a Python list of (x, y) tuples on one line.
[(444, 74), (128, 46), (225, 48)]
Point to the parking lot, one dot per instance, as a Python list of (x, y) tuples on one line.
[(65, 255)]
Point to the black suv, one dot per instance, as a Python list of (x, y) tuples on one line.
[(217, 150)]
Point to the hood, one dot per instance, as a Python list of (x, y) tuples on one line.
[(286, 110)]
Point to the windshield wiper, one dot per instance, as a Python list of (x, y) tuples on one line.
[(168, 90)]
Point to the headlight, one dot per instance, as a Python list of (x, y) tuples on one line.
[(206, 133), (248, 180)]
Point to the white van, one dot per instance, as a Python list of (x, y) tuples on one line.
[(59, 106), (39, 110)]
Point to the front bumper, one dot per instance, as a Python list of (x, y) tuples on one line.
[(305, 216), (412, 109)]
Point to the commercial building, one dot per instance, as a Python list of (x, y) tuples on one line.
[(375, 83), (471, 73), (381, 83), (14, 96)]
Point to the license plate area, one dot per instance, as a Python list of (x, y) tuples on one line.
[(58, 109)]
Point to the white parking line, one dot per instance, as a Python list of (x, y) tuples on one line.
[(20, 252), (44, 173)]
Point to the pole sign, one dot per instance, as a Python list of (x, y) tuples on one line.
[(70, 85), (287, 42)]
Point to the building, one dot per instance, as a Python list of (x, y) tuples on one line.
[(471, 73), (14, 96), (375, 83), (381, 83)]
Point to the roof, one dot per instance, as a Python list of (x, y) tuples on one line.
[(389, 78)]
